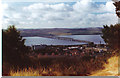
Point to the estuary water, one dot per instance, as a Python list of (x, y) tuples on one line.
[(48, 41)]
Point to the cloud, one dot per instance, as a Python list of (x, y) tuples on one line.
[(83, 13), (47, 7), (108, 7)]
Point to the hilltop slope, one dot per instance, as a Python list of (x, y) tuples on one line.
[(60, 31)]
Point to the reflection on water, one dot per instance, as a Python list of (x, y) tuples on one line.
[(41, 40), (93, 38)]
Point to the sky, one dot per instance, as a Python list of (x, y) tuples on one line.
[(73, 14)]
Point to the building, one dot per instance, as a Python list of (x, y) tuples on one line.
[(37, 47)]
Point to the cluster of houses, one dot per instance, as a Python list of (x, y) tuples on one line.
[(73, 50)]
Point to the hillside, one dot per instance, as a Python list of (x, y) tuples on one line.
[(111, 69), (60, 31)]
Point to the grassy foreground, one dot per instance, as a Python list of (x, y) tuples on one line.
[(111, 69)]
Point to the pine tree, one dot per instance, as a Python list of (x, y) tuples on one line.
[(111, 35), (13, 49)]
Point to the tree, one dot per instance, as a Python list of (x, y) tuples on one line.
[(13, 49), (117, 5), (91, 44), (111, 36)]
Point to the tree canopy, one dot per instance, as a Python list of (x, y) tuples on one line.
[(13, 49), (117, 5), (111, 35)]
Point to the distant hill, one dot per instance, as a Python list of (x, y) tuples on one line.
[(60, 31)]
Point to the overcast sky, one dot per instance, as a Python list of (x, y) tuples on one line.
[(78, 14)]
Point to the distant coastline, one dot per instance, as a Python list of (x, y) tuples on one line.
[(53, 32)]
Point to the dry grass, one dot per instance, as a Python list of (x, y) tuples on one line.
[(37, 72), (25, 72), (80, 67), (111, 69)]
